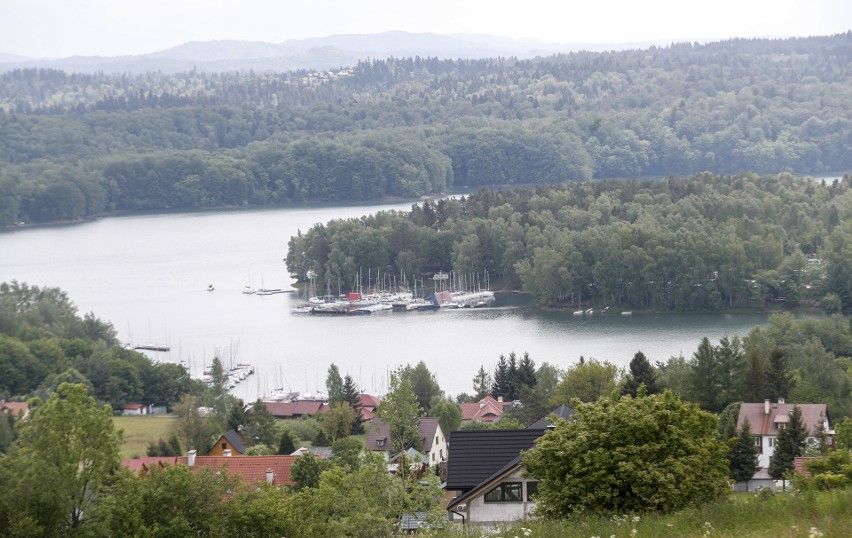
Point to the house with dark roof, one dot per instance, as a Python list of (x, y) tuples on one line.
[(230, 443), (765, 421), (486, 410), (486, 473), (431, 437)]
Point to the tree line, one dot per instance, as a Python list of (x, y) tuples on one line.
[(79, 145), (44, 342), (705, 243)]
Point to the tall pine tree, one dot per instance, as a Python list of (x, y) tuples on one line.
[(641, 373), (351, 395), (743, 455), (501, 388), (789, 444), (779, 380)]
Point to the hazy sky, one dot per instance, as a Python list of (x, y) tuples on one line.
[(60, 28)]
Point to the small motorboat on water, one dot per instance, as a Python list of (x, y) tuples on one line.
[(210, 287)]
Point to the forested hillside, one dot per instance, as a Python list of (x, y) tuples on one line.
[(78, 145), (704, 243)]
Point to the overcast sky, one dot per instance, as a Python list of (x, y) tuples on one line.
[(61, 28)]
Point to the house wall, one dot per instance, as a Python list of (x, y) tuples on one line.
[(768, 448), (480, 511), (218, 450), (438, 453)]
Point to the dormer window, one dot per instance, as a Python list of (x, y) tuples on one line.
[(380, 442)]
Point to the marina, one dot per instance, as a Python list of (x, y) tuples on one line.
[(172, 258)]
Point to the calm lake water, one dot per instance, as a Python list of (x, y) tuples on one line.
[(148, 275)]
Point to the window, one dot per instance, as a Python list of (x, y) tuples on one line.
[(380, 442), (224, 446), (771, 441), (758, 442), (436, 439), (507, 492), (532, 490)]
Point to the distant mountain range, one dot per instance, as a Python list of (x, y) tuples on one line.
[(310, 54)]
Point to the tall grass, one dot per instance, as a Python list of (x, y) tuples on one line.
[(806, 515), (139, 432)]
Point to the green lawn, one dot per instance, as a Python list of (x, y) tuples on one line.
[(139, 432)]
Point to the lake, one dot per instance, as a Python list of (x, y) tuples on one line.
[(148, 275)]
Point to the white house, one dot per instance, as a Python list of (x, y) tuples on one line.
[(134, 410), (431, 436), (765, 420)]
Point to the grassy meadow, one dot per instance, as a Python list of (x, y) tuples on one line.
[(139, 432), (808, 515)]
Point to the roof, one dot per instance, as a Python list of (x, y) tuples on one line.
[(322, 452), (235, 439), (563, 411), (378, 431), (250, 469), (485, 410), (507, 469), (140, 464), (296, 409), (134, 406), (15, 408), (762, 423), (476, 455), (366, 400)]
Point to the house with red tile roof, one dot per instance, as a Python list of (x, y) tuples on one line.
[(135, 409), (368, 405), (19, 410), (486, 410), (299, 408), (252, 470), (765, 420), (140, 465)]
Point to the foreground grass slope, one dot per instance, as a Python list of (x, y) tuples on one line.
[(811, 515)]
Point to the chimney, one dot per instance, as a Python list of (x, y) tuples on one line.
[(766, 407), (780, 401), (270, 476), (227, 452), (190, 457), (499, 398)]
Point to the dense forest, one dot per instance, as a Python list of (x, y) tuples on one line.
[(45, 342), (78, 145), (700, 244)]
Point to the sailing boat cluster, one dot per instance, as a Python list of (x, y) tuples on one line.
[(450, 293)]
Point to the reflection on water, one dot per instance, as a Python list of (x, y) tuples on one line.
[(148, 275)]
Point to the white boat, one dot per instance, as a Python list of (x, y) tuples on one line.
[(627, 313), (248, 290), (579, 312), (210, 287)]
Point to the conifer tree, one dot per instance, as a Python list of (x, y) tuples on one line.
[(743, 455), (526, 372), (481, 384), (351, 395), (789, 444), (501, 379), (779, 380), (641, 373), (754, 378)]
